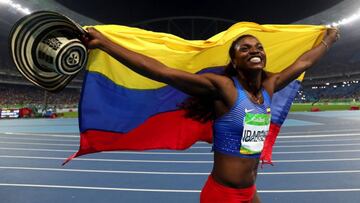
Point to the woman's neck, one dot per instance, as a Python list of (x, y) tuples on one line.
[(250, 80)]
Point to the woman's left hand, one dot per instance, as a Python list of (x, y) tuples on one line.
[(332, 35)]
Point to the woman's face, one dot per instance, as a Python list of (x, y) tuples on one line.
[(249, 54)]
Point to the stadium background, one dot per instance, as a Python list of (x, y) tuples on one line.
[(332, 84)]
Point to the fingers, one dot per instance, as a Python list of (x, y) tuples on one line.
[(337, 33), (333, 32), (91, 30), (87, 37)]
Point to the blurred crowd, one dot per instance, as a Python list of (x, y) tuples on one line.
[(26, 95), (330, 92)]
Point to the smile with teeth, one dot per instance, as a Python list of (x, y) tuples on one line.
[(255, 59)]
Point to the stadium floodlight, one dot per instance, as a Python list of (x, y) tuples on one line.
[(16, 6), (345, 21)]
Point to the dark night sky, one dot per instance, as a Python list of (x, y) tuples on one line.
[(134, 11)]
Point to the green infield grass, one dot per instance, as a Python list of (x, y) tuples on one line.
[(324, 106)]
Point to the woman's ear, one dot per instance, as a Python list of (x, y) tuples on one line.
[(233, 64)]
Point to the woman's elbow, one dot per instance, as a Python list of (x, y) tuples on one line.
[(306, 64)]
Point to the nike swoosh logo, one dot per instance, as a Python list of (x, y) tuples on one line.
[(248, 110)]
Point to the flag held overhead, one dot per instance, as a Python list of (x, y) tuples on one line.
[(122, 110)]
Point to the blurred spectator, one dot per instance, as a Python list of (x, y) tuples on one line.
[(347, 91), (26, 95)]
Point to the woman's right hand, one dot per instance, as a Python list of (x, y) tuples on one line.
[(93, 39)]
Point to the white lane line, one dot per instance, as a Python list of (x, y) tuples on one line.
[(309, 172), (69, 145), (97, 188), (320, 131), (40, 150), (208, 147), (108, 160), (41, 134), (38, 143), (322, 140), (284, 139), (314, 190), (319, 152), (103, 171), (281, 136), (318, 145), (194, 147), (315, 160), (323, 135), (109, 152), (162, 190), (297, 146), (39, 139), (177, 153), (172, 173), (172, 161)]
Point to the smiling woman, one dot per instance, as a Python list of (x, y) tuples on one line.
[(239, 102)]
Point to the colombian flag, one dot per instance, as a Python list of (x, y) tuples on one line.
[(122, 110)]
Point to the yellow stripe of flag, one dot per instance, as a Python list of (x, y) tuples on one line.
[(282, 43)]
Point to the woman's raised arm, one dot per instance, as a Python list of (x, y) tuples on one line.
[(193, 84), (306, 60)]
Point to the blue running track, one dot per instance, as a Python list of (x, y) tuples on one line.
[(317, 159)]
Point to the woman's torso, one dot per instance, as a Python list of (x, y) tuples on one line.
[(238, 139)]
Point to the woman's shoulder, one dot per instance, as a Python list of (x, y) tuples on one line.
[(220, 79), (269, 82)]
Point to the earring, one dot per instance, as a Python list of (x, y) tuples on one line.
[(234, 65)]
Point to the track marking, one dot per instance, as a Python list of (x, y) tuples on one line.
[(315, 160), (98, 188), (322, 140), (319, 152), (176, 153), (171, 161), (39, 139), (208, 147), (104, 171), (40, 150), (320, 131), (297, 146), (109, 160), (171, 173), (42, 134), (37, 143), (318, 145), (109, 152), (314, 190), (322, 135), (195, 146), (281, 136), (168, 191)]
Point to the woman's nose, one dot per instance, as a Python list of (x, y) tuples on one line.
[(254, 50)]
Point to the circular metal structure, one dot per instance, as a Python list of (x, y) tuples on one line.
[(46, 49)]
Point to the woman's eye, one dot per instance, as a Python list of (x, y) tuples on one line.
[(244, 49), (261, 48)]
